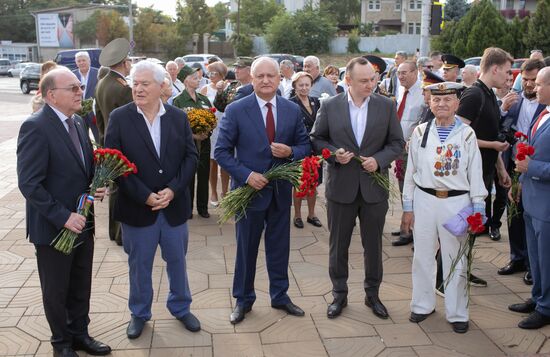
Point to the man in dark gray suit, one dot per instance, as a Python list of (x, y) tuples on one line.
[(363, 125)]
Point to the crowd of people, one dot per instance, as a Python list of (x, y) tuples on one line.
[(446, 131)]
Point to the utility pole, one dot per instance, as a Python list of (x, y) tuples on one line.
[(238, 18), (425, 27), (131, 27)]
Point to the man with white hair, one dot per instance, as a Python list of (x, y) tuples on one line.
[(287, 71), (246, 148), (469, 75), (87, 75), (180, 62), (321, 85), (153, 205), (173, 69)]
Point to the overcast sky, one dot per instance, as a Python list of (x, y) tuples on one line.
[(166, 6)]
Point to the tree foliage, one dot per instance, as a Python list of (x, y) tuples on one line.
[(256, 14), (307, 31), (103, 26), (194, 16), (220, 12), (538, 32), (455, 9), (344, 12), (481, 27)]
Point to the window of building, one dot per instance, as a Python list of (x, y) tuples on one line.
[(374, 5), (415, 4), (509, 4), (497, 4), (522, 4), (413, 28), (397, 5)]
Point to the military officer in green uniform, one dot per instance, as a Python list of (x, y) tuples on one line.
[(113, 91), (190, 98)]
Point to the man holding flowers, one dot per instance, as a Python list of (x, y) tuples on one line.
[(363, 131), (258, 132), (534, 165), (154, 203), (54, 168)]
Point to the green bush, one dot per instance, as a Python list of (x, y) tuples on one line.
[(353, 42), (242, 43)]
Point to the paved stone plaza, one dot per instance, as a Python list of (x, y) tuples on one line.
[(265, 331)]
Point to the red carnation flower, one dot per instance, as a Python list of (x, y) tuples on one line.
[(520, 156), (530, 150)]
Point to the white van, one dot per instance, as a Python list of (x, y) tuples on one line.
[(5, 65)]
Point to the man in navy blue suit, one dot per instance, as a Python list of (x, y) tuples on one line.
[(54, 167), (87, 75), (535, 192), (154, 204), (519, 117), (256, 133)]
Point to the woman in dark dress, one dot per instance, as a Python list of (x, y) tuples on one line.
[(301, 84)]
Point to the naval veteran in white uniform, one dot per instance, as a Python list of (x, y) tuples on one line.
[(444, 175)]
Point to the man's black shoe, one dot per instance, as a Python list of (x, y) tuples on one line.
[(527, 278), (396, 233), (511, 268), (402, 240), (190, 322), (526, 307), (335, 308), (238, 313), (298, 223), (475, 281), (90, 346), (204, 214), (64, 352), (534, 321), (135, 327), (290, 308), (376, 306), (314, 221), (460, 326), (416, 318), (494, 233)]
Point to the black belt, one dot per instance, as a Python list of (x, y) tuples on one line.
[(443, 194)]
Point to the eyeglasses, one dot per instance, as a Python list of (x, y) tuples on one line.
[(428, 67), (74, 88)]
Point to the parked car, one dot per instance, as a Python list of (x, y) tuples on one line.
[(66, 57), (298, 61), (473, 61), (201, 58), (516, 67), (5, 66), (17, 69), (29, 78)]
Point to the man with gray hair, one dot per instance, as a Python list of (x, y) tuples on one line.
[(391, 82), (423, 63), (469, 75), (246, 157), (180, 62), (321, 85), (287, 71), (177, 86), (87, 75), (153, 205)]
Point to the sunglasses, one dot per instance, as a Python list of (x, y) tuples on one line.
[(428, 67), (74, 88)]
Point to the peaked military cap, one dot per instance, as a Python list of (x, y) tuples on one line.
[(243, 62), (445, 88), (186, 71), (378, 63), (450, 61), (114, 52), (429, 77)]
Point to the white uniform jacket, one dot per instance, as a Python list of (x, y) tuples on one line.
[(453, 165)]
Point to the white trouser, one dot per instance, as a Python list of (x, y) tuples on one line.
[(430, 213)]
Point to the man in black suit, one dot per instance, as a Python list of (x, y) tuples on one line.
[(54, 167), (154, 204)]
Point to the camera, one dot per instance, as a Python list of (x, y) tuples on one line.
[(507, 134)]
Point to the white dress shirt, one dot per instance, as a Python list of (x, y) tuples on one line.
[(262, 103), (526, 113), (413, 107), (358, 117), (84, 80), (63, 119), (286, 87), (154, 128), (177, 88)]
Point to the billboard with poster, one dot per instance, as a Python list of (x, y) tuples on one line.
[(55, 30)]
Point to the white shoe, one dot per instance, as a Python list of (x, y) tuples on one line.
[(214, 203)]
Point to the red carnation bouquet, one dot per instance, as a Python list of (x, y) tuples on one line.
[(109, 164), (475, 226), (302, 174), (522, 151)]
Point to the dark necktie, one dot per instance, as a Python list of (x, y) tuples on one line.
[(536, 126), (270, 124), (402, 105), (74, 137)]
